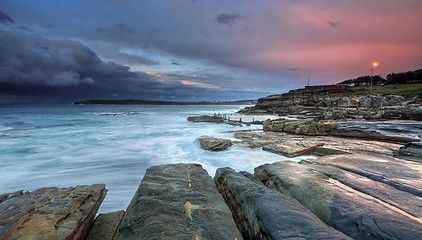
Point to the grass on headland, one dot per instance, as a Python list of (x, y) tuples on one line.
[(405, 90)]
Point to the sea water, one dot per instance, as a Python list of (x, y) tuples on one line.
[(69, 145)]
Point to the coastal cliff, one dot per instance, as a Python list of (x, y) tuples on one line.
[(340, 104)]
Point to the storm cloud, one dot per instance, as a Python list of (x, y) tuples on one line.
[(4, 18), (37, 68), (268, 48), (227, 19)]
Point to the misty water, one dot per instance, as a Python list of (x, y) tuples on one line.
[(66, 145)]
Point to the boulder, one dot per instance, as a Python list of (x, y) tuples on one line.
[(320, 128), (412, 149), (329, 193), (178, 201), (105, 226), (50, 213), (214, 144), (262, 213), (290, 127), (274, 125), (213, 119)]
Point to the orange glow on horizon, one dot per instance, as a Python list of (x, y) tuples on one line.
[(202, 85), (375, 64), (187, 82)]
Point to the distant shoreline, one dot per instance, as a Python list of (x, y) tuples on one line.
[(149, 102)]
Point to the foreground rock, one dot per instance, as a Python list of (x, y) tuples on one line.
[(105, 226), (364, 197), (50, 213), (214, 144), (178, 201), (262, 213)]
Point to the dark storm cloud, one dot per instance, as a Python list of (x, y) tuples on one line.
[(33, 68), (334, 24), (4, 18), (227, 19), (118, 28)]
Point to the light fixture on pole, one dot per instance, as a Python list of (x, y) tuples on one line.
[(372, 72)]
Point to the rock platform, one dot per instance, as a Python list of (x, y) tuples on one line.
[(351, 196)]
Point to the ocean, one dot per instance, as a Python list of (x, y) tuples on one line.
[(69, 145)]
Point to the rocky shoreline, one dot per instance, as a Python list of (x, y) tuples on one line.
[(366, 184), (335, 197), (313, 105)]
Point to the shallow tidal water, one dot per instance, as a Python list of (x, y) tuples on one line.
[(69, 145)]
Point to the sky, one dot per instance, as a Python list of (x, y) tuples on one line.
[(198, 50)]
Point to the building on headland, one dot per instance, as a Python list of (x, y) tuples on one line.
[(327, 87)]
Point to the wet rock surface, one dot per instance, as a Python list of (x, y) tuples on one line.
[(390, 131), (412, 150), (393, 131), (262, 213), (401, 174), (105, 226), (50, 213), (178, 201), (213, 119), (295, 145), (365, 197), (214, 144)]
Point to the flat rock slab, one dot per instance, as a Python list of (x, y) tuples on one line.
[(405, 202), (214, 144), (295, 145), (355, 213), (213, 119), (392, 131), (105, 226), (50, 213), (401, 174), (263, 213), (178, 201)]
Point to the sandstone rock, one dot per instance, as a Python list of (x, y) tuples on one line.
[(214, 144), (320, 128), (274, 125), (413, 149), (213, 119), (178, 201), (291, 150), (401, 174), (406, 203), (105, 226), (51, 213), (285, 144), (262, 213), (290, 127), (355, 213), (356, 132)]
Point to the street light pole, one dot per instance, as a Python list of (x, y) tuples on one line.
[(372, 72)]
